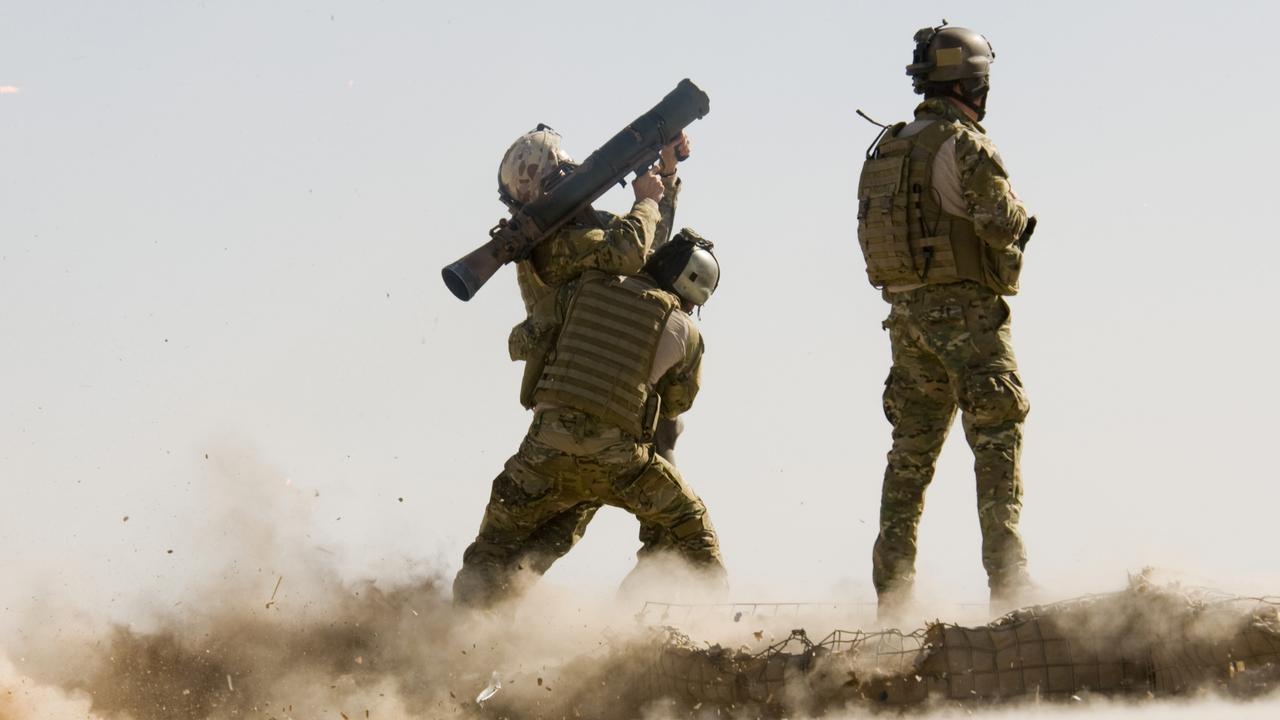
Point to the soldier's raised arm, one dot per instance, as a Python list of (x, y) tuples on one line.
[(617, 246), (676, 152)]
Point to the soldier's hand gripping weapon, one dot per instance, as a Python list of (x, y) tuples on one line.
[(634, 149), (1027, 232)]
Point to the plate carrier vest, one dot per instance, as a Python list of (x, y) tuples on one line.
[(605, 351), (905, 235)]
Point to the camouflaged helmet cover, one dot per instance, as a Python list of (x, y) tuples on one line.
[(946, 54), (528, 163)]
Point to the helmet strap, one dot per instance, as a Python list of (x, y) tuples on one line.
[(508, 200), (969, 100)]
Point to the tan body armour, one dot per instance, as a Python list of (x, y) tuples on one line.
[(907, 238), (604, 353)]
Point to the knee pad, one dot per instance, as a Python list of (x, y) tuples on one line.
[(995, 398), (907, 396)]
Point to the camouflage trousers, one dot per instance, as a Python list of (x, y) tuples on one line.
[(951, 348), (567, 467), (559, 534)]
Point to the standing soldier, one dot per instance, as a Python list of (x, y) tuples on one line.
[(942, 233), (614, 355), (596, 240)]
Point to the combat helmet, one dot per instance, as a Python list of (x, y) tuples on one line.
[(947, 54), (532, 162), (686, 266)]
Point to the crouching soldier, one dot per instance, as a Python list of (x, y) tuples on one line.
[(595, 240), (615, 354)]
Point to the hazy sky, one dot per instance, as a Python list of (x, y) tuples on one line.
[(222, 223)]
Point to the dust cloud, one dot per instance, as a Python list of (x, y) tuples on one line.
[(272, 631), (268, 628)]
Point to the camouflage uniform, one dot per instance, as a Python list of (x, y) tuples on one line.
[(952, 348), (570, 461), (600, 241), (619, 246)]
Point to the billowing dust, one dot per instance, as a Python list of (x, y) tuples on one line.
[(306, 644)]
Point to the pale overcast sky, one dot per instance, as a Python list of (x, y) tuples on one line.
[(221, 228)]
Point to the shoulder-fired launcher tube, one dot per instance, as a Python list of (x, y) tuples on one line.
[(634, 148)]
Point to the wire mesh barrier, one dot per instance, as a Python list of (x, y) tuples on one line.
[(664, 613), (794, 670), (1142, 642), (1241, 651)]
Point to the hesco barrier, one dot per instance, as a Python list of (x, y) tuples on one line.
[(796, 668), (1142, 642)]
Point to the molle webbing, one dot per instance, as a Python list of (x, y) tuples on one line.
[(905, 235), (605, 352)]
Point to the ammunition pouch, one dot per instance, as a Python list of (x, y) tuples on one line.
[(652, 413), (532, 373), (533, 340), (1001, 269)]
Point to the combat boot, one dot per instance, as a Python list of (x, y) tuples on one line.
[(1011, 593), (894, 606)]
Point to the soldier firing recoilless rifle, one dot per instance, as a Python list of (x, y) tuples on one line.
[(634, 149)]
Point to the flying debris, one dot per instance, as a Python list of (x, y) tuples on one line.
[(495, 684)]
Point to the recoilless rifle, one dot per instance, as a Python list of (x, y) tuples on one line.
[(634, 149)]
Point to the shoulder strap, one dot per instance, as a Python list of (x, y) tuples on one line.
[(887, 142), (928, 141)]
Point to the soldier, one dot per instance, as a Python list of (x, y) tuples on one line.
[(595, 241), (614, 355), (942, 233)]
